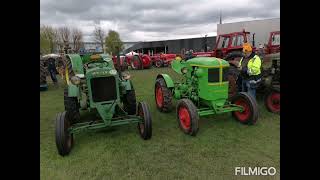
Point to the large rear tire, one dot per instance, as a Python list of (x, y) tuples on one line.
[(145, 127), (233, 72), (250, 113), (72, 106), (129, 102), (64, 140), (272, 101), (187, 116), (136, 63), (163, 96), (43, 73)]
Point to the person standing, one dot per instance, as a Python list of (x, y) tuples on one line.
[(250, 70), (52, 70)]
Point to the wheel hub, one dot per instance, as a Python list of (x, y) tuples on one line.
[(245, 114), (274, 101), (159, 96), (184, 118)]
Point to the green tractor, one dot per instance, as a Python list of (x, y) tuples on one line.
[(94, 85), (203, 91)]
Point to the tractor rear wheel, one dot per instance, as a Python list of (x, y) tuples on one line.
[(64, 140), (129, 102), (145, 127), (163, 95), (249, 115), (272, 101), (233, 72), (136, 63), (42, 73), (232, 76), (187, 117), (72, 106)]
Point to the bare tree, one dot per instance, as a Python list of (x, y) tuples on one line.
[(49, 35), (99, 35), (77, 39), (64, 35)]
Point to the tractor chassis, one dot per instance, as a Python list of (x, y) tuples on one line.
[(100, 124), (220, 110)]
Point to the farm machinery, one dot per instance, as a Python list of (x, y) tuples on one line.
[(95, 85), (136, 61), (203, 91), (162, 60), (229, 48), (269, 88)]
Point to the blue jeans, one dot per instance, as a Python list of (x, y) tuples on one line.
[(249, 88)]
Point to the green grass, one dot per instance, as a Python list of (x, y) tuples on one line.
[(119, 153)]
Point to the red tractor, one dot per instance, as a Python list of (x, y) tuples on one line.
[(273, 45), (161, 60), (123, 62), (138, 60), (228, 45)]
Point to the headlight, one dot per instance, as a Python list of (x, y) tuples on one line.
[(75, 80), (113, 72), (184, 70)]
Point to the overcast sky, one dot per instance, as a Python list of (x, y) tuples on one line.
[(148, 20)]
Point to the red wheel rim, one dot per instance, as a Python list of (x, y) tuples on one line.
[(273, 101), (141, 125), (159, 96), (184, 118), (245, 114)]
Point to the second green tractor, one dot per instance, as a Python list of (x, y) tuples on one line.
[(202, 92)]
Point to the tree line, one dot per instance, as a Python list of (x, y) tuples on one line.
[(52, 37)]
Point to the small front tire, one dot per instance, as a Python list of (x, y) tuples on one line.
[(145, 127), (64, 140)]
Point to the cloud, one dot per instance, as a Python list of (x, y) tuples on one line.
[(145, 20)]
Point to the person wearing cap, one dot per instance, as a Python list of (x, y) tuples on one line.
[(250, 70)]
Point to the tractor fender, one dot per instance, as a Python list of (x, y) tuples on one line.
[(167, 79), (76, 61), (73, 90)]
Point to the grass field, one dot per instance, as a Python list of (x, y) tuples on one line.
[(119, 153)]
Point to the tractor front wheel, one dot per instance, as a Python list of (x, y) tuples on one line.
[(187, 117), (163, 95), (64, 140), (144, 127), (159, 63), (249, 115), (272, 101)]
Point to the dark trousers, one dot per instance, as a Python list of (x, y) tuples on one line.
[(53, 75)]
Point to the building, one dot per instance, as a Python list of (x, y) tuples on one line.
[(260, 28), (174, 46)]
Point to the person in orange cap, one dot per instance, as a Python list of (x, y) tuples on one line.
[(250, 70)]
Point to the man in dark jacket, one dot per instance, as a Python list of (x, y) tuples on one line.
[(52, 70)]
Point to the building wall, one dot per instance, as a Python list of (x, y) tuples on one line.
[(261, 28), (174, 46)]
